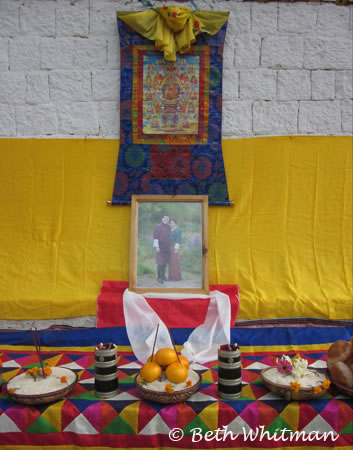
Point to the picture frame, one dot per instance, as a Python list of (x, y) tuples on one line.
[(169, 244)]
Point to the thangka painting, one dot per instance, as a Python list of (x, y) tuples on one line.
[(171, 111)]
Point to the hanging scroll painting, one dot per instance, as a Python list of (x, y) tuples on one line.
[(171, 112)]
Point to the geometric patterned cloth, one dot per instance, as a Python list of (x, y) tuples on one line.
[(127, 421), (170, 120)]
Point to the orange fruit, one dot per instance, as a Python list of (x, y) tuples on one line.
[(176, 372), (184, 361), (165, 356), (150, 371)]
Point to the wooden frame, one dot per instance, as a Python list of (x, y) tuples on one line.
[(158, 256)]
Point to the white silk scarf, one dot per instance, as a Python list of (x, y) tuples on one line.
[(202, 345)]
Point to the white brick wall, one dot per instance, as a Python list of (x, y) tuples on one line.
[(287, 68)]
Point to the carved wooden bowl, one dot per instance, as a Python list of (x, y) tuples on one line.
[(286, 392), (165, 397), (344, 389), (46, 397)]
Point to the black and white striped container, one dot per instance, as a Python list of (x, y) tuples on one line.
[(105, 370), (229, 372)]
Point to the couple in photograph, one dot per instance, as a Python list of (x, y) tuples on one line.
[(166, 242)]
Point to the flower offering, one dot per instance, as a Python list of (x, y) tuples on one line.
[(292, 378)]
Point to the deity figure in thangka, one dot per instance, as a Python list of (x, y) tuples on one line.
[(171, 95)]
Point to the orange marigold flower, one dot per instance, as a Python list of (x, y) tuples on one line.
[(317, 390), (11, 390), (47, 371), (295, 386), (63, 379), (326, 384), (35, 369), (169, 389), (0, 363), (27, 373), (189, 383)]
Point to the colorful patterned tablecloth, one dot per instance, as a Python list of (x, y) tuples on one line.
[(259, 419)]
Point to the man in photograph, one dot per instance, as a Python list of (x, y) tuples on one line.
[(161, 243)]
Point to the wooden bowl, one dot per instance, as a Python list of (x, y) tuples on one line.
[(341, 388), (46, 397), (286, 392), (163, 396)]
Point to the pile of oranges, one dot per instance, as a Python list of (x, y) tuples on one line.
[(166, 359)]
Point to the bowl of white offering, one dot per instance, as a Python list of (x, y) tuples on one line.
[(32, 388), (292, 379)]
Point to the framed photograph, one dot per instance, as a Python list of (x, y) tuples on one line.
[(169, 244)]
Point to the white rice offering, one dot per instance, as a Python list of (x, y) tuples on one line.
[(161, 382), (311, 378), (25, 385)]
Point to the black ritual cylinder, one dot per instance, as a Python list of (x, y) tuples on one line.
[(229, 372), (105, 370)]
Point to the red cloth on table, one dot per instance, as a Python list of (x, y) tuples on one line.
[(188, 313)]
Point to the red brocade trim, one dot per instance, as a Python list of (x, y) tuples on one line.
[(173, 163)]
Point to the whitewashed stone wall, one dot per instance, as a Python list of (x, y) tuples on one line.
[(287, 68)]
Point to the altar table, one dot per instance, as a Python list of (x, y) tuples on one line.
[(82, 420)]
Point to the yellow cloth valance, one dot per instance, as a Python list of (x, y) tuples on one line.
[(173, 28)]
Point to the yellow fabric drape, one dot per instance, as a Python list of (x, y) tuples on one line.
[(287, 242), (173, 28)]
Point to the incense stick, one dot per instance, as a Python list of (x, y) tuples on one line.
[(36, 342), (154, 343), (171, 338)]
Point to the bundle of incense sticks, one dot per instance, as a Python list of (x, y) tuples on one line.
[(36, 342), (171, 338)]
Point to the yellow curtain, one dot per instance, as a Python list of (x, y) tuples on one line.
[(287, 242), (173, 28)]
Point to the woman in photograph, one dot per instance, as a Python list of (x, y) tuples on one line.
[(175, 242), (161, 243)]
